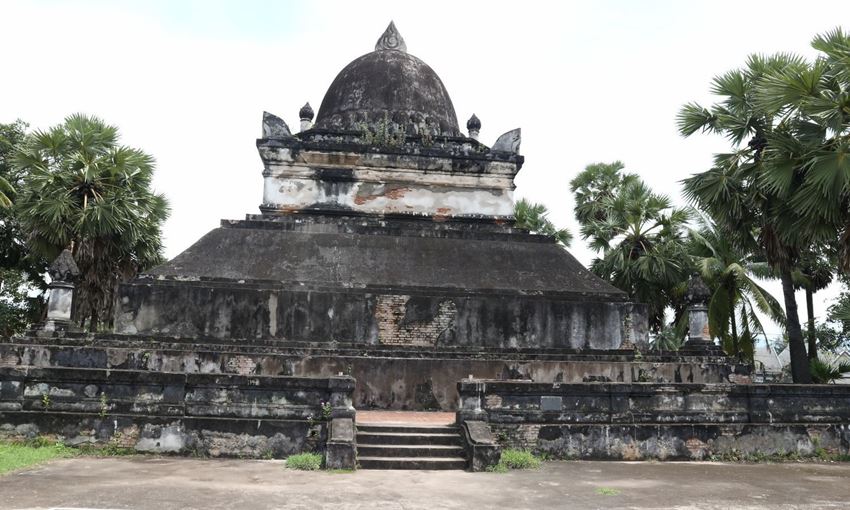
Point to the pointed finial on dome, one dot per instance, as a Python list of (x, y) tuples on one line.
[(474, 126), (306, 112), (391, 40)]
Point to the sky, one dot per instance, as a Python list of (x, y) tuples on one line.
[(187, 81)]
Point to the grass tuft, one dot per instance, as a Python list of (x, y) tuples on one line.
[(515, 459), (14, 456), (304, 462), (519, 459), (607, 491)]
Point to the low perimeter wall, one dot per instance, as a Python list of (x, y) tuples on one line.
[(206, 414), (633, 421)]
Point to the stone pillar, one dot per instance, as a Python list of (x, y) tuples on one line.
[(60, 299), (699, 340), (481, 449), (341, 447), (471, 408)]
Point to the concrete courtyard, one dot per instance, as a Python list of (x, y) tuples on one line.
[(164, 483)]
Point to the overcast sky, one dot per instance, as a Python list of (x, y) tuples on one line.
[(187, 81)]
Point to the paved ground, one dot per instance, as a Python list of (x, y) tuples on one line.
[(166, 483)]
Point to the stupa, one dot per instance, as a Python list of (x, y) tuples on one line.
[(385, 270), (383, 226)]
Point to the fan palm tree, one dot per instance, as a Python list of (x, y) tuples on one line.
[(86, 192), (640, 236), (756, 216), (810, 147), (736, 296), (533, 217)]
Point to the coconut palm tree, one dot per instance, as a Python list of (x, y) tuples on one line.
[(86, 192), (533, 217), (6, 193), (639, 235), (736, 296), (756, 216), (814, 274)]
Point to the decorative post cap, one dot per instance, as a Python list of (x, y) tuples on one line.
[(391, 40), (306, 112), (64, 269), (473, 124), (698, 292)]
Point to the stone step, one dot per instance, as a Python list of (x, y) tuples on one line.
[(410, 451), (400, 438), (411, 463), (407, 429)]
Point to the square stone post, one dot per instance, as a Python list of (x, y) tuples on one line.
[(63, 272), (471, 408), (341, 448), (699, 340)]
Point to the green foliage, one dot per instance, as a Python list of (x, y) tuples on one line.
[(104, 405), (6, 193), (824, 372), (304, 461), (22, 272), (784, 187), (736, 296), (327, 411), (383, 134), (640, 237), (533, 217), (84, 191), (497, 468), (14, 456), (671, 338), (518, 459)]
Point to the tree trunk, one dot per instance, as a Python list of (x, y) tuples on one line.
[(732, 322), (93, 321), (799, 361), (810, 308)]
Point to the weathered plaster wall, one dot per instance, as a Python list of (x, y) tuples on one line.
[(245, 312), (388, 377), (379, 182), (213, 414), (675, 421)]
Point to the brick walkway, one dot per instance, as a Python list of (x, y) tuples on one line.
[(406, 417)]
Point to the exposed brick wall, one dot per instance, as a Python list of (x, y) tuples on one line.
[(389, 315), (521, 436), (242, 365)]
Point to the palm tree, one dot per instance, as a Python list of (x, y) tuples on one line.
[(826, 372), (736, 296), (595, 187), (755, 215), (810, 147), (6, 193), (86, 192), (640, 236), (814, 274), (533, 217)]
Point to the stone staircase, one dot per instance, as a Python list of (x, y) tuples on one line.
[(388, 446)]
